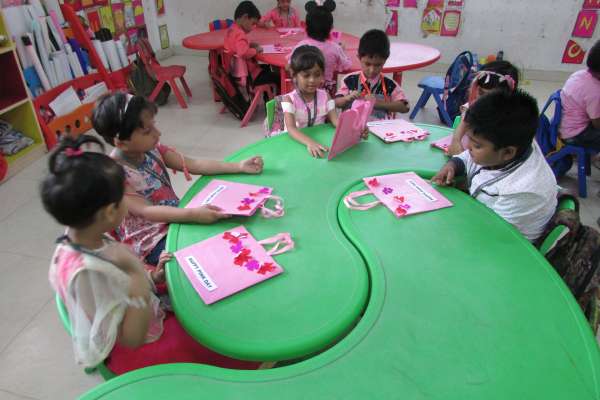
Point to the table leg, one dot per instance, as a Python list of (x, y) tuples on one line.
[(398, 77)]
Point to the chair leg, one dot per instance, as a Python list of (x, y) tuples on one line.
[(581, 176), (420, 103), (186, 88), (177, 93), (445, 117), (588, 164), (156, 90), (252, 108)]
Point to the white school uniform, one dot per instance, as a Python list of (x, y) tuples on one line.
[(523, 193)]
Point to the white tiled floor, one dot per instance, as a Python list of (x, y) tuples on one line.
[(36, 360)]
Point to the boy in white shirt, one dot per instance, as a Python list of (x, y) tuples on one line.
[(504, 167)]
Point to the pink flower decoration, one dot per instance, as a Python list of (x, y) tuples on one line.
[(400, 211), (245, 207), (387, 190), (236, 248), (252, 265), (373, 182), (399, 198), (248, 201), (265, 190), (266, 267)]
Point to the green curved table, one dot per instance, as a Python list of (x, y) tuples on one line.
[(460, 305)]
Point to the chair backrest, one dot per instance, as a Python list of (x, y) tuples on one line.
[(146, 55), (219, 24), (270, 107), (565, 202), (236, 67), (547, 133)]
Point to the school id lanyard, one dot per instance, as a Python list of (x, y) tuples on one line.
[(367, 87), (162, 177), (311, 117)]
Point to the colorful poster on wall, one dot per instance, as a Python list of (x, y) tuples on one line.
[(118, 17), (106, 18), (585, 24), (591, 4), (410, 3), (94, 20), (450, 23), (432, 17), (164, 36), (573, 54), (138, 12), (100, 2), (128, 11), (392, 25), (392, 3), (160, 7), (456, 3)]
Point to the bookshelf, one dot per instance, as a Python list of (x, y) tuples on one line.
[(16, 107)]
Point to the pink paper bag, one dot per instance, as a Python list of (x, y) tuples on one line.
[(443, 143), (404, 194), (238, 198), (231, 262), (396, 130), (351, 124)]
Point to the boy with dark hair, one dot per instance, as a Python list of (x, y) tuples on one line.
[(504, 167), (373, 51), (236, 42), (580, 98)]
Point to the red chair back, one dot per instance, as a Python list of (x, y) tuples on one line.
[(219, 24), (146, 55)]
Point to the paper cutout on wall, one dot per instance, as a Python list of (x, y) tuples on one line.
[(164, 36), (392, 3), (107, 19), (573, 54), (94, 20), (410, 3), (100, 2), (392, 26), (585, 24), (119, 18), (455, 3), (591, 4), (160, 7), (128, 11), (450, 23), (432, 17), (138, 12)]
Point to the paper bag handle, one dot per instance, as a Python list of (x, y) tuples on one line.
[(352, 204), (281, 239), (276, 212)]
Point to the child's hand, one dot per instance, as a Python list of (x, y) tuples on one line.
[(252, 165), (353, 95), (158, 275), (445, 176), (370, 97), (365, 133), (316, 150), (207, 214)]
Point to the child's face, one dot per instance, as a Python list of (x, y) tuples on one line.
[(371, 65), (310, 80), (484, 153), (142, 139), (247, 23), (284, 5)]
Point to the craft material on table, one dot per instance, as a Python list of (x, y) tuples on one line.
[(350, 126), (396, 130), (275, 49)]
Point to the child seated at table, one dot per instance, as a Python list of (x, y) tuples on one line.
[(114, 314), (373, 51), (282, 16), (580, 98), (127, 122), (504, 167), (246, 15), (319, 23), (495, 75), (307, 105)]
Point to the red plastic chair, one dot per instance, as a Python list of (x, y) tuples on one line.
[(162, 74), (238, 68), (213, 55)]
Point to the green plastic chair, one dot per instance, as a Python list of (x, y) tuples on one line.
[(106, 373), (456, 122), (270, 106), (567, 203)]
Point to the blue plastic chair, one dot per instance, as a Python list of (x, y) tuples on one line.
[(582, 154), (432, 86)]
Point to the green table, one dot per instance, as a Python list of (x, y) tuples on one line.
[(460, 305)]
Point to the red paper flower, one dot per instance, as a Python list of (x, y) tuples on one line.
[(266, 267), (400, 211), (399, 198), (254, 194), (373, 182), (230, 238), (242, 258), (244, 207)]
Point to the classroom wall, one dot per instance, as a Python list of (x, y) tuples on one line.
[(533, 33)]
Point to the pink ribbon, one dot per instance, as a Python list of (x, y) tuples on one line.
[(276, 212), (281, 239), (352, 204), (70, 152)]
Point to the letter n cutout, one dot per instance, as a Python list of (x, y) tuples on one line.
[(585, 24)]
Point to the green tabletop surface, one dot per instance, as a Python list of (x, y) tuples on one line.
[(460, 305)]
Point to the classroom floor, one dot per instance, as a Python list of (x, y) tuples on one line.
[(36, 359)]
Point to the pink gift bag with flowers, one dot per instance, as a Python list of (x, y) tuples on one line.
[(404, 194), (231, 262), (396, 130)]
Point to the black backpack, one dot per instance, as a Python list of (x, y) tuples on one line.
[(226, 87), (458, 80), (142, 84)]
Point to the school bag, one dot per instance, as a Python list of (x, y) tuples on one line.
[(458, 80), (226, 87), (547, 135), (575, 258), (141, 83)]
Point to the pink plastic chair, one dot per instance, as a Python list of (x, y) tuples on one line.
[(238, 68)]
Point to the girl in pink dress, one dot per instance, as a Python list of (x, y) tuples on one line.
[(282, 16), (114, 313), (307, 105)]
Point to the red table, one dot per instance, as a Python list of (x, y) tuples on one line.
[(403, 56)]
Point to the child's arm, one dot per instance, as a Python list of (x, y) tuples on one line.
[(400, 106), (137, 205), (331, 112), (456, 146), (314, 148), (453, 168), (174, 160), (343, 101)]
